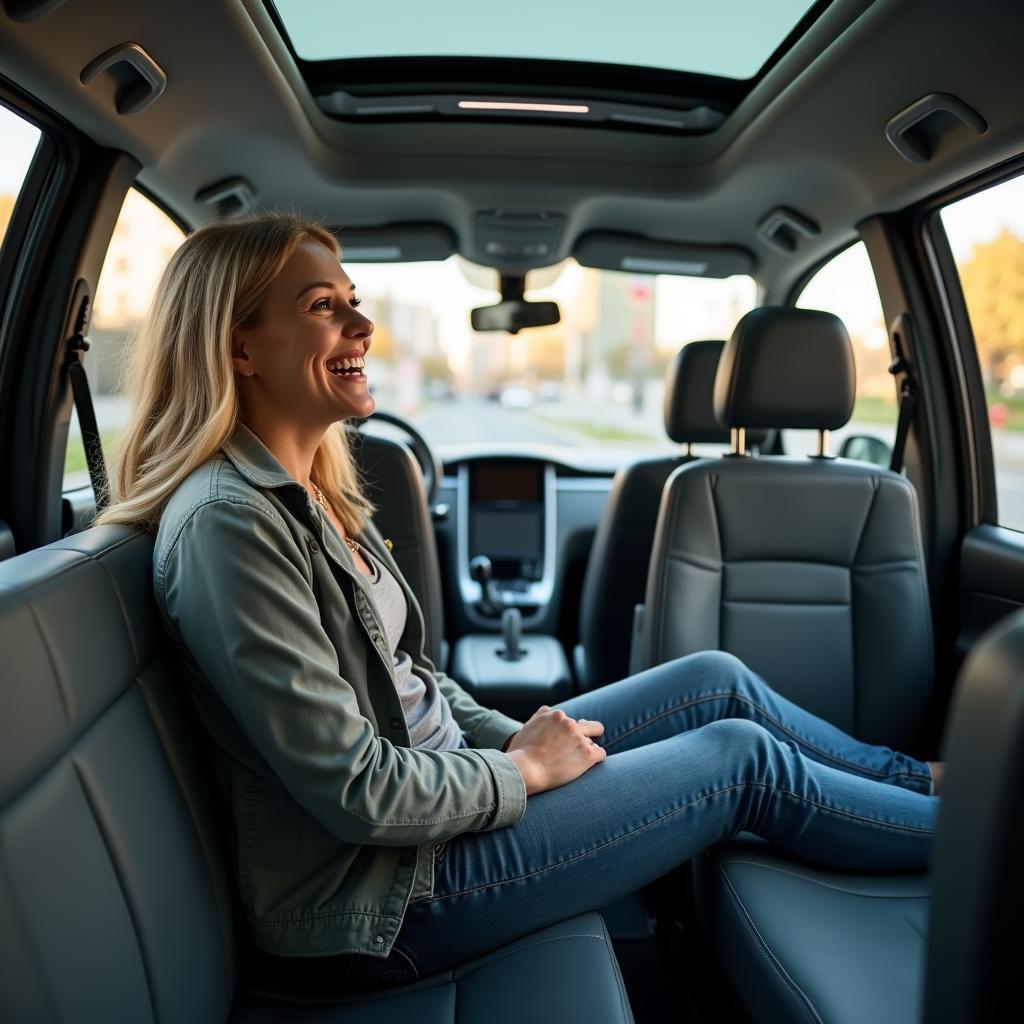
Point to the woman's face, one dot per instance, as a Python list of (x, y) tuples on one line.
[(308, 319)]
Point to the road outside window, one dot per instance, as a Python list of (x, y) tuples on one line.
[(986, 234)]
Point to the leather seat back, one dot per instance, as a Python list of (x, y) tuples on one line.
[(809, 569), (114, 895), (973, 952), (616, 573), (394, 483)]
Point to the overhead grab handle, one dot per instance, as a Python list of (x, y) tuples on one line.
[(140, 80), (915, 132), (783, 228)]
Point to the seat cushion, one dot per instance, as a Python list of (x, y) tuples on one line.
[(570, 970), (803, 942)]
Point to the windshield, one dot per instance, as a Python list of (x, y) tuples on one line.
[(589, 389)]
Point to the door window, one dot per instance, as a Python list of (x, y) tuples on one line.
[(143, 241), (986, 235), (846, 286), (19, 141)]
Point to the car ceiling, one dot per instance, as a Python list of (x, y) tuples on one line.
[(810, 136)]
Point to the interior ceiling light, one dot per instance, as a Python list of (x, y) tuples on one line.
[(544, 108)]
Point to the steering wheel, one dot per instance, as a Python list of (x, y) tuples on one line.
[(429, 463)]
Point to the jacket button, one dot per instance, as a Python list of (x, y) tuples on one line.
[(313, 546), (407, 857), (378, 940), (395, 723), (376, 638)]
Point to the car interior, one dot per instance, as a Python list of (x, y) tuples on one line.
[(697, 327)]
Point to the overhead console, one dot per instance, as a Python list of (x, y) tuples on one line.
[(507, 514)]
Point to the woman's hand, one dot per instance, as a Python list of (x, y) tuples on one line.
[(552, 749)]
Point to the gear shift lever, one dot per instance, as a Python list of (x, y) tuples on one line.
[(480, 569), (511, 628)]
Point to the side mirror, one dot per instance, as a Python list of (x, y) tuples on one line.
[(865, 448), (513, 315)]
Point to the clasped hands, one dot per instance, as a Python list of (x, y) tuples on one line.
[(552, 749)]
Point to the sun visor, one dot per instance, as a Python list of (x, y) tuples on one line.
[(613, 250), (396, 243)]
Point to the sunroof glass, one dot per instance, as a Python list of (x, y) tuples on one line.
[(727, 38)]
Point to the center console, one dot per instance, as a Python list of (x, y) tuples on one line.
[(506, 531)]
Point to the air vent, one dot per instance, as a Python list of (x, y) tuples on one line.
[(231, 197)]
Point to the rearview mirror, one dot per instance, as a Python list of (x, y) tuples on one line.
[(865, 448), (513, 315)]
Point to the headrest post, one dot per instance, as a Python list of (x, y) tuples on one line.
[(822, 452), (738, 440), (688, 449)]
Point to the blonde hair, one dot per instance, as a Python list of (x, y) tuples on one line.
[(182, 381)]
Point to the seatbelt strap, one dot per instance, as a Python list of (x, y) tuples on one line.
[(78, 345), (900, 368)]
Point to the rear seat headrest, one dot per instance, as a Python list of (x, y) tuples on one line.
[(689, 393), (786, 367)]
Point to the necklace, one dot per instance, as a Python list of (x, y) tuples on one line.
[(322, 499)]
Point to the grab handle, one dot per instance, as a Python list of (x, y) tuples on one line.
[(140, 79), (915, 132)]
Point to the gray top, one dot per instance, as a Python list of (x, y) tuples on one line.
[(427, 713)]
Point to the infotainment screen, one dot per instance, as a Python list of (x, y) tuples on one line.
[(498, 482), (506, 517)]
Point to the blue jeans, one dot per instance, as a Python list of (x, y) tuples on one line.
[(699, 748)]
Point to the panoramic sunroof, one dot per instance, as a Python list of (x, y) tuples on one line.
[(727, 39)]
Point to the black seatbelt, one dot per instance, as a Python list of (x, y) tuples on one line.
[(908, 389), (78, 345)]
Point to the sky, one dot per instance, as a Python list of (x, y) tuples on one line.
[(729, 37)]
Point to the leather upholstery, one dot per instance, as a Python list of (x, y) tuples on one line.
[(394, 483), (809, 570), (569, 968), (973, 957), (803, 942), (812, 572), (616, 572), (689, 389), (115, 893), (786, 367)]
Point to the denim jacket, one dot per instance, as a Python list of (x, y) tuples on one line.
[(335, 818)]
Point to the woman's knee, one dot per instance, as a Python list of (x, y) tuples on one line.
[(720, 669), (739, 741)]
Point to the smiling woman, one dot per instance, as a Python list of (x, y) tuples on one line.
[(247, 316)]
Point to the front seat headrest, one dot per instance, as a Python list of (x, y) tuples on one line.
[(786, 367), (689, 396)]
